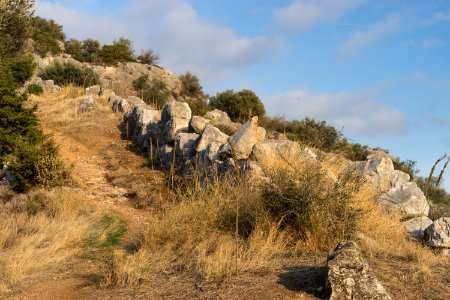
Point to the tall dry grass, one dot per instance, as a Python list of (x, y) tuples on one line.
[(40, 231)]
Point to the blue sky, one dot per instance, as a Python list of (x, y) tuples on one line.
[(378, 70)]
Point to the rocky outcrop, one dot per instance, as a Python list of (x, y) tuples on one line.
[(350, 277), (197, 124), (93, 90), (378, 170), (86, 104), (281, 154), (241, 143), (438, 233), (407, 198), (415, 227)]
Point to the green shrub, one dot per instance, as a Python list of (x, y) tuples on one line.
[(239, 106), (120, 51), (148, 57), (22, 67), (47, 36), (154, 93), (75, 49), (192, 92), (35, 89), (311, 206), (14, 26), (91, 50), (67, 73)]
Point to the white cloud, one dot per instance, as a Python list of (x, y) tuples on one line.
[(80, 24), (375, 32), (302, 14), (357, 113), (431, 43), (442, 16), (174, 30)]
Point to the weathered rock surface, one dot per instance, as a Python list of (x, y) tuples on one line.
[(407, 198), (243, 140), (438, 233), (49, 86), (197, 124), (218, 117), (211, 135), (379, 172), (92, 90), (415, 227), (174, 109), (86, 104), (350, 277), (172, 128), (185, 144), (280, 154)]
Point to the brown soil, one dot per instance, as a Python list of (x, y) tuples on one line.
[(110, 171)]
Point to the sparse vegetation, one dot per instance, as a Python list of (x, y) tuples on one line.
[(34, 89), (192, 92), (47, 35), (239, 106), (154, 93), (67, 73), (148, 57)]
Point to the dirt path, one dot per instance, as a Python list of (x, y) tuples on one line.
[(111, 173)]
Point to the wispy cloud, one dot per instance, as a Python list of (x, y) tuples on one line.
[(303, 14), (426, 43), (372, 34), (172, 28), (441, 16), (357, 112)]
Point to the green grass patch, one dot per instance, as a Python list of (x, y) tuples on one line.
[(110, 230)]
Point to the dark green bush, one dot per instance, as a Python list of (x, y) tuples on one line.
[(120, 51), (15, 17), (35, 89), (67, 73), (239, 106), (192, 92), (91, 50), (312, 207), (47, 36), (75, 49)]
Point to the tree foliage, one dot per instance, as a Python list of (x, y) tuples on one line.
[(47, 36), (15, 17), (192, 92), (240, 106), (121, 50)]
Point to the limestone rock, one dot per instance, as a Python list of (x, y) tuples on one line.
[(350, 277), (87, 104), (174, 109), (92, 90), (211, 135), (173, 127), (218, 116), (379, 171), (438, 233), (49, 86), (415, 227), (408, 198), (185, 144), (197, 124), (281, 154), (244, 139)]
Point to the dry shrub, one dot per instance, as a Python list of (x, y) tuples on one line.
[(38, 231), (315, 210), (198, 235)]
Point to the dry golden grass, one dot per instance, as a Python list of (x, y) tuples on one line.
[(41, 230)]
